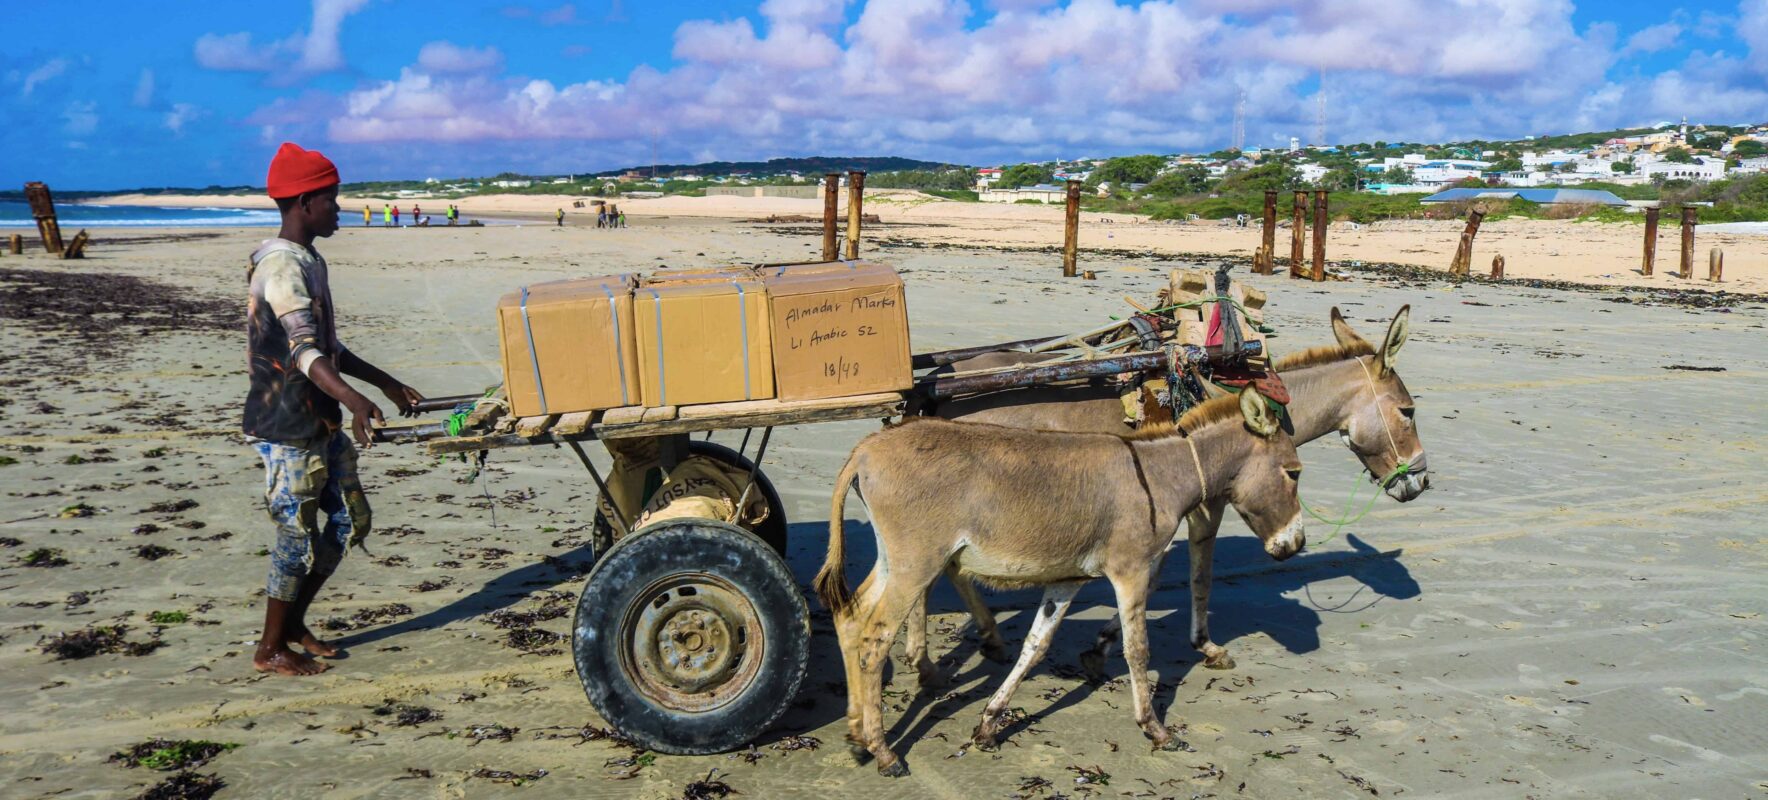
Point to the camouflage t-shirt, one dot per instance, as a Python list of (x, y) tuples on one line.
[(288, 326)]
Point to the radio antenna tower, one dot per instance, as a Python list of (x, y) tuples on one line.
[(1240, 122), (1320, 112)]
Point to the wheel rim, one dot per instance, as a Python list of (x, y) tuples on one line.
[(691, 642)]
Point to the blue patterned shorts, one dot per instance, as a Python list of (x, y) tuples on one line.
[(312, 493)]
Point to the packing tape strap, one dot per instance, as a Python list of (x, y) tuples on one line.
[(743, 325), (662, 386), (534, 359), (619, 351)]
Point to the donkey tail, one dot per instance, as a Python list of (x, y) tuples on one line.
[(831, 580)]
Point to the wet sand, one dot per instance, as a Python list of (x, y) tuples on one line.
[(1575, 610)]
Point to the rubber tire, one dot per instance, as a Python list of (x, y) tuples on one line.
[(692, 545), (771, 530)]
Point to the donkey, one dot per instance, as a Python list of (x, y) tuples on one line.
[(1017, 508), (1350, 388)]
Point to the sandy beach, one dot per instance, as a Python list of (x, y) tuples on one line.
[(1577, 252), (1576, 609)]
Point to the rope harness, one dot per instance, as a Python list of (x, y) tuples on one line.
[(1202, 482), (1400, 470)]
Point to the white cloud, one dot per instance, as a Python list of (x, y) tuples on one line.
[(180, 115), (50, 70), (302, 53), (80, 117), (144, 88), (1661, 36), (449, 57), (1752, 28)]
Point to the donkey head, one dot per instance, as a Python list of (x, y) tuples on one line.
[(1263, 491), (1379, 425)]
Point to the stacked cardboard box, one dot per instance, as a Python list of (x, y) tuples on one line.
[(703, 341), (568, 346), (839, 328)]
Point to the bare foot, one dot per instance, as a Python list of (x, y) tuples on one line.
[(284, 661), (313, 644)]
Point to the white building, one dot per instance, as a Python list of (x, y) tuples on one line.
[(512, 184), (1436, 173), (1311, 173), (1043, 193), (1704, 168)]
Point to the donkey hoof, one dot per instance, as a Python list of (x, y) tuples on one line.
[(1220, 660), (997, 653), (933, 681), (1092, 662), (894, 769)]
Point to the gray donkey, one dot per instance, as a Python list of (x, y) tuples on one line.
[(1017, 508), (1350, 388)]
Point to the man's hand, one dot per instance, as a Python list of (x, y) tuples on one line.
[(364, 415), (403, 398)]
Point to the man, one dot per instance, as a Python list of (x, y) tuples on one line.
[(292, 415), (561, 218), (395, 216), (366, 215), (387, 214)]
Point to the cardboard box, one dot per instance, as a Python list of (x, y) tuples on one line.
[(838, 329), (703, 342), (822, 267), (703, 275), (581, 333)]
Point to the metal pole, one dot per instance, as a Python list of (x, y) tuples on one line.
[(831, 207), (619, 518), (1689, 214), (1071, 232), (1270, 233), (1298, 231), (1651, 222), (1321, 202), (856, 197)]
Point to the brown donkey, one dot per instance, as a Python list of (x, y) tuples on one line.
[(1017, 508), (1350, 388)]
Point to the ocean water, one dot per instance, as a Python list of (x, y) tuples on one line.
[(73, 216)]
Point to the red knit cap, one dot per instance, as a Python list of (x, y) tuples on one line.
[(295, 170)]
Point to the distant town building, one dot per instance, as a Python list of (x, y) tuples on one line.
[(1542, 196), (1043, 193), (1704, 168)]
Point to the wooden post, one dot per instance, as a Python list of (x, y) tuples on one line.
[(1071, 230), (1298, 231), (43, 210), (856, 198), (1688, 219), (1497, 268), (831, 208), (1715, 264), (1321, 200), (1651, 220), (1270, 233), (18, 244), (1464, 253)]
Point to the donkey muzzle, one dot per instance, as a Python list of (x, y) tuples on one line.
[(1288, 541)]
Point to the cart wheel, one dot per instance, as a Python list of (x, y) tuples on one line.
[(691, 637), (771, 530)]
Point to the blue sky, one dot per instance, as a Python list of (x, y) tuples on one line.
[(188, 94)]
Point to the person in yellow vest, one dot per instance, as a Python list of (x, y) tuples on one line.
[(561, 218), (387, 214), (367, 216)]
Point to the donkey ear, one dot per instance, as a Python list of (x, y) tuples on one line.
[(1257, 412), (1396, 338), (1342, 330)]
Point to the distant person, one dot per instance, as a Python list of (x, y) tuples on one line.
[(622, 219), (417, 212), (601, 218), (293, 416), (387, 214), (561, 218), (395, 216), (451, 213), (367, 216)]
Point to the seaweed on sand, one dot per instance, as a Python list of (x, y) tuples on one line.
[(94, 641), (170, 754), (184, 786)]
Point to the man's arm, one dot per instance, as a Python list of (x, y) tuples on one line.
[(403, 397), (325, 376)]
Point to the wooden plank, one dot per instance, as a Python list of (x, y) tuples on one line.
[(624, 415), (484, 413), (659, 414), (574, 424), (762, 413), (534, 426)]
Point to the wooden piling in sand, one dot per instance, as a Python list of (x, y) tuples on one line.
[(1321, 203), (1269, 240), (1464, 252), (1497, 268), (1651, 221), (1689, 217), (18, 244), (1715, 264), (856, 198), (831, 207), (43, 211), (1298, 231), (1071, 230)]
